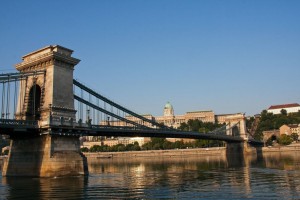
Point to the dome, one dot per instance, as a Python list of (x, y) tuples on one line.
[(168, 110), (168, 106)]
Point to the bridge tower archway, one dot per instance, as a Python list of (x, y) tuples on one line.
[(34, 103)]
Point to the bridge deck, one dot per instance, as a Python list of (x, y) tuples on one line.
[(19, 127)]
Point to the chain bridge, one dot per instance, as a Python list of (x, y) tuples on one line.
[(44, 111)]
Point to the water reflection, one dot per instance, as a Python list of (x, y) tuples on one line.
[(43, 188), (276, 176), (283, 160)]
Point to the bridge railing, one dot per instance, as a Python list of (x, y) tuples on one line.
[(14, 123), (11, 86)]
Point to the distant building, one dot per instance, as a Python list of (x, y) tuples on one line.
[(172, 120), (290, 108), (89, 144), (119, 140), (132, 140), (289, 129)]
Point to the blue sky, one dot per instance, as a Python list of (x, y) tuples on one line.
[(226, 56)]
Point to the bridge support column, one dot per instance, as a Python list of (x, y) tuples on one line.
[(45, 156)]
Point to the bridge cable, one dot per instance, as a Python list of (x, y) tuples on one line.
[(8, 99), (97, 102), (15, 95), (24, 106), (81, 106), (117, 105), (107, 112), (3, 101), (20, 97), (34, 96)]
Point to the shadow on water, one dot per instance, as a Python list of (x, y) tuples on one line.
[(44, 188)]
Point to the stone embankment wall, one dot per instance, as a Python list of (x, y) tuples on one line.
[(216, 151), (289, 148)]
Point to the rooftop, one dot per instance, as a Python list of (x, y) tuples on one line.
[(284, 106), (200, 111)]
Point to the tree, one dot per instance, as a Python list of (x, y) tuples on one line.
[(294, 136), (84, 149), (268, 121), (184, 127), (136, 147), (283, 112), (285, 139), (249, 123), (95, 148)]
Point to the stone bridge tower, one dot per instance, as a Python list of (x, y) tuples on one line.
[(240, 120), (50, 92), (47, 98)]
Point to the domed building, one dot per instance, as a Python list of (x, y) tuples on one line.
[(170, 119), (168, 110)]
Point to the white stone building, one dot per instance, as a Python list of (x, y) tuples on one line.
[(290, 108)]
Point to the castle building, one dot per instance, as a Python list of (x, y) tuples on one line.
[(172, 120)]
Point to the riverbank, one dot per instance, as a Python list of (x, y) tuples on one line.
[(214, 151), (288, 148)]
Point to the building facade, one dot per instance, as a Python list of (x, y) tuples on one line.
[(290, 108), (289, 129), (170, 119), (115, 141)]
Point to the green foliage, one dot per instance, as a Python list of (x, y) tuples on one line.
[(294, 136), (268, 121), (283, 112), (115, 148), (184, 126), (163, 144), (285, 139), (98, 148), (198, 126), (84, 149), (249, 123), (155, 144)]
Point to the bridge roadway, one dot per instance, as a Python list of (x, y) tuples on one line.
[(26, 128)]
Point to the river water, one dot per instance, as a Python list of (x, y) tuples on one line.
[(275, 176)]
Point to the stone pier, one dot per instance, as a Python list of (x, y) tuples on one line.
[(45, 156)]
